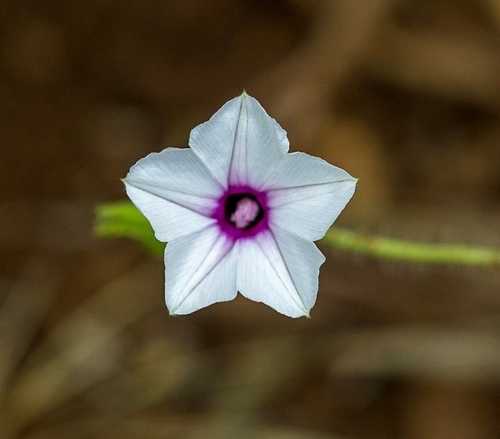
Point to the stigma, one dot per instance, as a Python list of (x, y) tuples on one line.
[(245, 213)]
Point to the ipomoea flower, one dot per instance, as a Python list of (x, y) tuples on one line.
[(239, 212)]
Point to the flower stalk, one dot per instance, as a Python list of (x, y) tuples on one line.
[(410, 251), (123, 219)]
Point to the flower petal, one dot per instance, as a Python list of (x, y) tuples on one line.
[(306, 194), (200, 270), (240, 143), (174, 190), (280, 270)]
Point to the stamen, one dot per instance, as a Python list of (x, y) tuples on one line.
[(245, 213)]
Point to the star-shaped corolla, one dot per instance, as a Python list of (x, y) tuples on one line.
[(239, 212)]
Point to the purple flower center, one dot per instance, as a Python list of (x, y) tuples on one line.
[(242, 212)]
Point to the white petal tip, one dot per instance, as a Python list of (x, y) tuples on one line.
[(175, 313), (303, 313)]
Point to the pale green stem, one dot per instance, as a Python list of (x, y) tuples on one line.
[(122, 219), (409, 251)]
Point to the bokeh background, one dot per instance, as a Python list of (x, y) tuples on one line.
[(404, 94)]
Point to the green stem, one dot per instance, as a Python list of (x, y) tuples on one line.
[(408, 251), (122, 219)]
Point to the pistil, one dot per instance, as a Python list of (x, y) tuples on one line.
[(245, 213)]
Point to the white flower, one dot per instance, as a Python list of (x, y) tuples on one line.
[(239, 212)]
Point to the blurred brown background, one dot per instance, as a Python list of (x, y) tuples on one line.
[(404, 94)]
